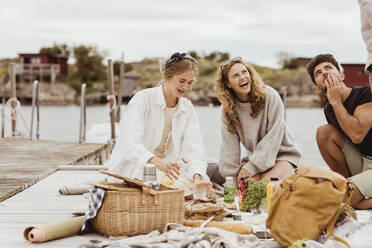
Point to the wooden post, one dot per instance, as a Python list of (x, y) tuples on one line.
[(111, 98), (3, 114), (53, 75), (13, 94), (121, 81), (83, 114)]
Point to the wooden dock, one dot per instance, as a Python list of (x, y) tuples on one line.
[(41, 203), (24, 162)]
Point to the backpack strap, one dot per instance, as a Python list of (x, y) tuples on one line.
[(332, 223), (350, 191), (341, 208)]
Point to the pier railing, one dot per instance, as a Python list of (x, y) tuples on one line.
[(2, 114), (83, 114), (35, 104)]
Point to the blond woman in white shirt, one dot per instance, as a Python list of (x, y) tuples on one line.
[(161, 127)]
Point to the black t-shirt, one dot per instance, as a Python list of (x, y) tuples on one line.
[(358, 96)]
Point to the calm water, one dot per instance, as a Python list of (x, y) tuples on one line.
[(62, 123)]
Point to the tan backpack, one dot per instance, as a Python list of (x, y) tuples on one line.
[(307, 203)]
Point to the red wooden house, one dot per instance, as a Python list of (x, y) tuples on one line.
[(354, 74), (302, 61), (41, 66)]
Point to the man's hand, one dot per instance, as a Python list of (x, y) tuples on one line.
[(334, 87), (171, 170)]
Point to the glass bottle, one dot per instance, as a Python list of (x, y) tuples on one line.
[(269, 190), (229, 190)]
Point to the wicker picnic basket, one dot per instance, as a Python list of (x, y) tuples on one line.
[(132, 208)]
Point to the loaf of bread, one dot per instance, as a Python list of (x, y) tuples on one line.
[(239, 228)]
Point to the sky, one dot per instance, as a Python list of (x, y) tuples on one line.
[(254, 30)]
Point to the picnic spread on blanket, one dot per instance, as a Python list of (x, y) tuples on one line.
[(158, 214)]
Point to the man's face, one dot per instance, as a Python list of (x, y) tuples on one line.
[(321, 72)]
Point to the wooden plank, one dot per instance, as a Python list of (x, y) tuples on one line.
[(82, 167), (24, 162), (42, 203)]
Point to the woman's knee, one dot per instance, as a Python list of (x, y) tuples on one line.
[(286, 167), (280, 170)]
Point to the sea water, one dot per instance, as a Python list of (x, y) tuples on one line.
[(61, 123)]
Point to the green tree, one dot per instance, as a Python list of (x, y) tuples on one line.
[(217, 56), (89, 65), (194, 54), (127, 67), (56, 49), (212, 56), (287, 60), (224, 57)]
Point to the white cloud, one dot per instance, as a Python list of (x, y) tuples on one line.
[(255, 30)]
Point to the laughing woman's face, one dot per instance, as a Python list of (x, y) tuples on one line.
[(240, 81), (179, 84)]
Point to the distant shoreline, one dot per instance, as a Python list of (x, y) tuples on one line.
[(289, 104), (294, 101)]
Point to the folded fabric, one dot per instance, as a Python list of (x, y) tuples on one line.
[(96, 199), (356, 232), (176, 236), (75, 189)]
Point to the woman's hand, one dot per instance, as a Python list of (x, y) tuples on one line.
[(243, 173), (171, 170)]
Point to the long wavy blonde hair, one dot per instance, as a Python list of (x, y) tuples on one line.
[(228, 98)]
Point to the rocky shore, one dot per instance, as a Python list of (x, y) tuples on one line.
[(297, 84)]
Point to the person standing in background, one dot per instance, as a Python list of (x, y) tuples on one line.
[(366, 26)]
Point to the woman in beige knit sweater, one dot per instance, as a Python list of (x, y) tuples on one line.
[(253, 116)]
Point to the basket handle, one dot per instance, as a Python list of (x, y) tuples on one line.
[(150, 191), (129, 181), (146, 189)]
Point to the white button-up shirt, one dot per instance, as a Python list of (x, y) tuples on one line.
[(141, 130)]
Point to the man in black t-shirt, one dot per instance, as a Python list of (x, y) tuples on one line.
[(346, 141)]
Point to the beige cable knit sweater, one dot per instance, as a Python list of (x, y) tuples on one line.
[(265, 138)]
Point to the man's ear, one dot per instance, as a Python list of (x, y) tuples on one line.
[(317, 89), (342, 76)]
